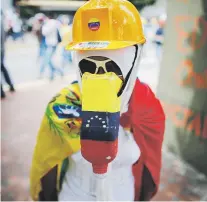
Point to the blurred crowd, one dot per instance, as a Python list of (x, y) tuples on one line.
[(154, 32), (52, 32)]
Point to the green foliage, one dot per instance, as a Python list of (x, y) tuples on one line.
[(53, 126)]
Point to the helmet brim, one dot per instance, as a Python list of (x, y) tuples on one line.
[(102, 45)]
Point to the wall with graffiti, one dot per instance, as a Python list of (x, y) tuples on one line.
[(183, 81)]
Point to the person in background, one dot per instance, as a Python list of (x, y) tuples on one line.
[(159, 38), (50, 32), (37, 30), (16, 25), (3, 68), (65, 32)]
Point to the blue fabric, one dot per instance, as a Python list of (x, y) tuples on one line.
[(100, 126), (67, 57), (159, 32), (17, 35), (67, 111), (47, 61), (43, 47)]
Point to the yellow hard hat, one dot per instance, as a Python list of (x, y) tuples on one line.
[(106, 25)]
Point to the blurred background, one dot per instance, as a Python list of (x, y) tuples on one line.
[(174, 64)]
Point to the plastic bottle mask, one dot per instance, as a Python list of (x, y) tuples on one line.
[(100, 118), (123, 62), (101, 80)]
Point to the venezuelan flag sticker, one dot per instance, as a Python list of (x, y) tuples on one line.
[(94, 24)]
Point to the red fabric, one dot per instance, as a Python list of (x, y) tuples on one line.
[(102, 149), (147, 120)]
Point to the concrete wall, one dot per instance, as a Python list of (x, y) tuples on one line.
[(183, 81)]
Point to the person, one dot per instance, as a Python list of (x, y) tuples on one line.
[(65, 32), (16, 26), (50, 32), (37, 30), (101, 137), (159, 38), (3, 68)]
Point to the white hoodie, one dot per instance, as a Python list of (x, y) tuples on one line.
[(50, 31)]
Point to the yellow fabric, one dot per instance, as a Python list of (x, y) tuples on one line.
[(66, 35), (103, 88), (106, 24), (57, 138)]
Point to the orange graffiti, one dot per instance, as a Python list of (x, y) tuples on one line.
[(195, 125), (183, 35), (179, 115), (187, 119), (186, 75)]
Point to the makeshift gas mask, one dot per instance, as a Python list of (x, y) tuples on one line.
[(107, 79), (123, 62)]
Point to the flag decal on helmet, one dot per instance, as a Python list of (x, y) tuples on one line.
[(94, 24)]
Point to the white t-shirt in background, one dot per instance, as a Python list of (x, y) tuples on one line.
[(50, 31)]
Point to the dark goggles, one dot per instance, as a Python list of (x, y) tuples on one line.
[(99, 65)]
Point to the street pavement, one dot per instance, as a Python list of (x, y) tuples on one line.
[(22, 112)]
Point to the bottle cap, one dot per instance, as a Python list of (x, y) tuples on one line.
[(100, 169)]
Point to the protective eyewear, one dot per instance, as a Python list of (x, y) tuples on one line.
[(99, 66)]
